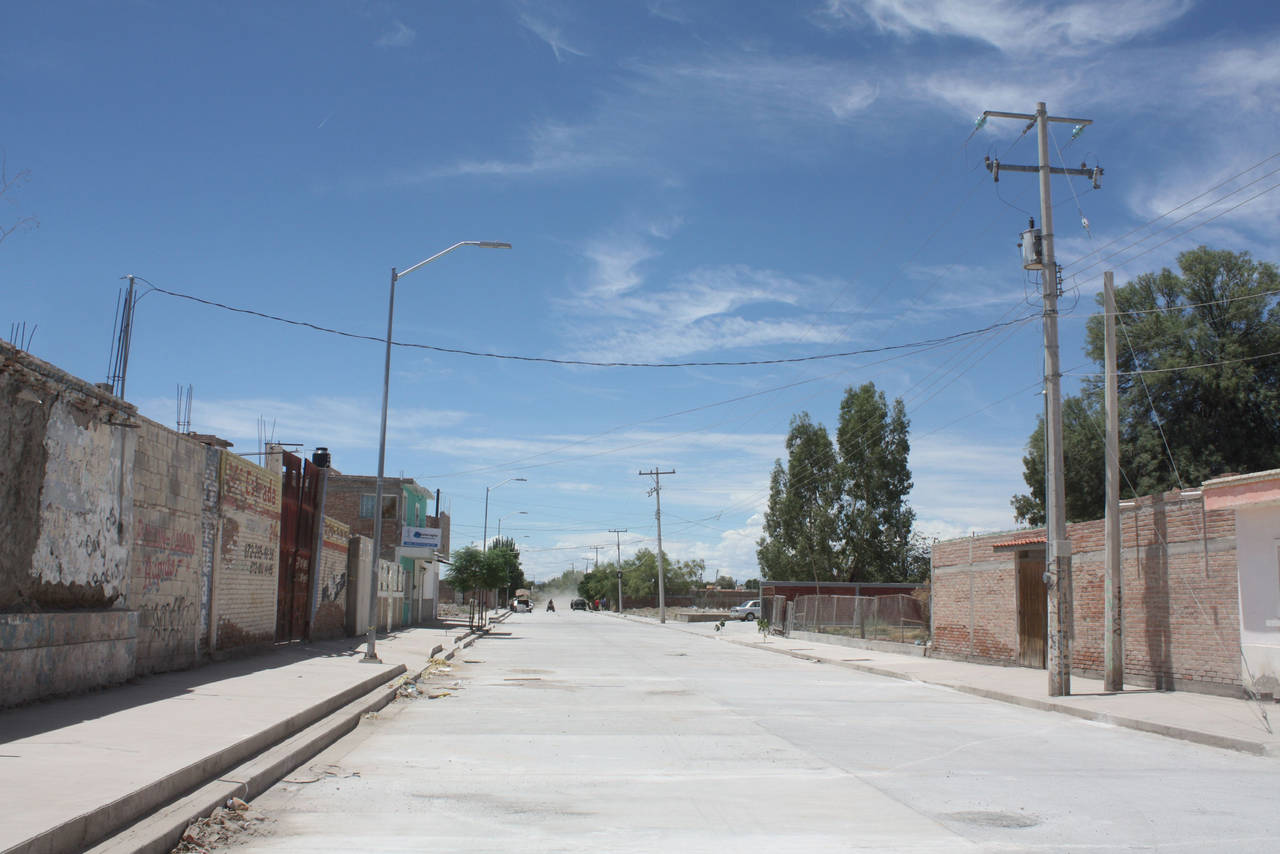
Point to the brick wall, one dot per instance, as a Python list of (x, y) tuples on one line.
[(248, 555), (329, 618), (974, 603), (1181, 598), (168, 551), (342, 502)]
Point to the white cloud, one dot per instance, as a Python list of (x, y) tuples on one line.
[(552, 35), (963, 485), (766, 91), (1010, 26), (697, 104), (1249, 75), (398, 36), (564, 486), (699, 311)]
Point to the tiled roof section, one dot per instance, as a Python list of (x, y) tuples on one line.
[(1024, 540)]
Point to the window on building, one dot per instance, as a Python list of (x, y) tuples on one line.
[(389, 508)]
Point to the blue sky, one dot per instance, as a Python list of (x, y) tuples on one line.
[(681, 181)]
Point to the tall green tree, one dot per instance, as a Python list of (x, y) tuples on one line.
[(505, 558), (467, 570), (873, 519), (799, 526), (1205, 340)]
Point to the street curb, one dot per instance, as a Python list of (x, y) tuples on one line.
[(98, 824), (1167, 730), (161, 831)]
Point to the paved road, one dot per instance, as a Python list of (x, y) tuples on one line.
[(585, 732)]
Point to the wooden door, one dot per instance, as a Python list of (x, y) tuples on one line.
[(1033, 612)]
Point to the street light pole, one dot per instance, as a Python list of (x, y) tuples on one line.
[(500, 518), (484, 542), (371, 654)]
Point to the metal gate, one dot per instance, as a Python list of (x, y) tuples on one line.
[(299, 498)]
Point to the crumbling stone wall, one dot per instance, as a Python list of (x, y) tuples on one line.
[(66, 459)]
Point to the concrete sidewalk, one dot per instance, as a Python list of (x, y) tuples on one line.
[(74, 771), (1224, 722)]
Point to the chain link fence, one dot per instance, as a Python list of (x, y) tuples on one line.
[(896, 618)]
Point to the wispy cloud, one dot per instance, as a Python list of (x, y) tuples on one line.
[(552, 35), (697, 104), (760, 88), (1011, 26), (961, 484), (399, 35), (700, 310)]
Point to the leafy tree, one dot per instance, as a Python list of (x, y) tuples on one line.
[(751, 584), (874, 520), (599, 583), (467, 571), (505, 558), (799, 528), (725, 582), (1083, 453), (640, 575), (1204, 338)]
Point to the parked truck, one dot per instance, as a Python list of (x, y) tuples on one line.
[(521, 601)]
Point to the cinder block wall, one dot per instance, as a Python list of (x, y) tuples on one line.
[(1181, 597), (168, 555), (247, 563)]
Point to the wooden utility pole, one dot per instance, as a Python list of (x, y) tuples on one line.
[(1058, 547), (662, 570), (1113, 604)]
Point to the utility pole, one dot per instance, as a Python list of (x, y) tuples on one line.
[(618, 532), (662, 570), (1113, 593), (1058, 547)]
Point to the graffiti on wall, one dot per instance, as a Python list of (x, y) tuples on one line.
[(249, 551), (163, 553)]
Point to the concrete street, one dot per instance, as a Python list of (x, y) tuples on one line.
[(578, 731)]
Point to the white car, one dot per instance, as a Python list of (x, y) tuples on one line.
[(747, 610)]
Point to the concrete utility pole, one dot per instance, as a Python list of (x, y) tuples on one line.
[(1113, 602), (1058, 547), (662, 570), (618, 532)]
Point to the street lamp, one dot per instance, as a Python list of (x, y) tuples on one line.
[(500, 518), (484, 543), (371, 651)]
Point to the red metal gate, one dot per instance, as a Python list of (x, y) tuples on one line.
[(299, 497)]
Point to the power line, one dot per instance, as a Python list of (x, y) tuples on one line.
[(578, 362), (1223, 183), (1184, 367), (1130, 260), (1184, 306)]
